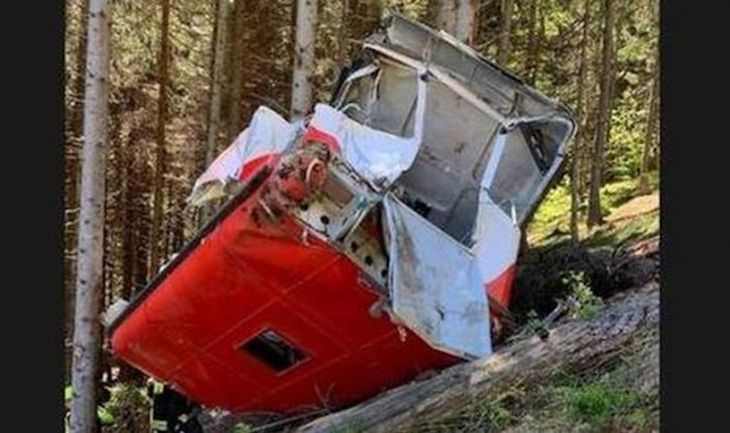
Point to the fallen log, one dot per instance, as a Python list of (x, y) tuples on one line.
[(573, 344)]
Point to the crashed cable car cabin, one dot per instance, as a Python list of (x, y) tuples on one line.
[(359, 247)]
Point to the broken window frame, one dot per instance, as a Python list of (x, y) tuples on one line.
[(269, 343), (555, 116)]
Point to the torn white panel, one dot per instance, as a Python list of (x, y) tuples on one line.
[(497, 240), (377, 156), (435, 290), (267, 135)]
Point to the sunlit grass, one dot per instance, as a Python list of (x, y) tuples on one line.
[(551, 222)]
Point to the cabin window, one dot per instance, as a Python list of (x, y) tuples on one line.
[(517, 178), (384, 100), (271, 349), (529, 154)]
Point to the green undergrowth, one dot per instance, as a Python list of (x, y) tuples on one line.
[(551, 222), (545, 267)]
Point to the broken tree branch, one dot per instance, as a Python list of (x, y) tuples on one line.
[(570, 345)]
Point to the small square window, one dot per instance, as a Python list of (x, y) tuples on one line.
[(271, 349)]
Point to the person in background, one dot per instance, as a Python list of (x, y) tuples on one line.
[(171, 411)]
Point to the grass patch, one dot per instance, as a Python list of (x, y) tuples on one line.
[(551, 223), (598, 404), (613, 234), (594, 403)]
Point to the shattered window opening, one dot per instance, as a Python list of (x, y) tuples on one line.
[(271, 349), (522, 168)]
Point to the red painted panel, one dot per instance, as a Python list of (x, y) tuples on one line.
[(500, 288), (246, 277)]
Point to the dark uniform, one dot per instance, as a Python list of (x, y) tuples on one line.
[(171, 411)]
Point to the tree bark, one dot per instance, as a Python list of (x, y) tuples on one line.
[(457, 17), (71, 199), (303, 69), (160, 148), (239, 37), (595, 216), (578, 146), (89, 273), (446, 15), (362, 16), (650, 123), (504, 47), (532, 42), (649, 133), (571, 344), (218, 75), (343, 44), (466, 20)]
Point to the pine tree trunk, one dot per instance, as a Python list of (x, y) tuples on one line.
[(457, 17), (89, 273), (532, 42), (650, 122), (504, 47), (303, 70), (239, 36), (344, 30), (362, 17), (218, 75), (128, 226), (653, 114), (216, 87), (446, 15), (578, 146), (160, 149), (466, 20), (71, 199), (595, 216)]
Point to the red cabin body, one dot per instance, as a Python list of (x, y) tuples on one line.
[(282, 307), (244, 279)]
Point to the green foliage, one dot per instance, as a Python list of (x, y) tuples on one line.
[(128, 408), (498, 414), (553, 208), (105, 415), (242, 428), (551, 222), (588, 303), (533, 321), (638, 227), (596, 403), (617, 193)]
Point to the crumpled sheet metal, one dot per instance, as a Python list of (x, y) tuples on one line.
[(379, 157), (435, 288), (267, 135)]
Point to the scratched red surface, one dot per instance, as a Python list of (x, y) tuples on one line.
[(245, 278)]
